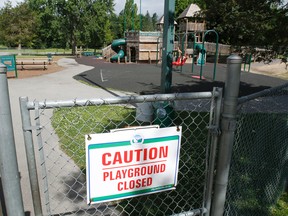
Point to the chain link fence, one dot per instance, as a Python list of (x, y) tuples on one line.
[(59, 127), (259, 168)]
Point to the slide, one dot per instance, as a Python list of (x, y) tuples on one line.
[(117, 46)]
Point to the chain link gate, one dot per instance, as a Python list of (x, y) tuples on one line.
[(260, 153), (57, 163)]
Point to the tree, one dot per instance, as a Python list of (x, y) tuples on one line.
[(245, 22), (18, 25), (73, 18), (154, 21), (74, 22), (279, 27), (128, 16), (49, 32), (147, 22), (99, 24)]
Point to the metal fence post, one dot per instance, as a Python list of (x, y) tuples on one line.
[(168, 40), (214, 133), (8, 160), (30, 154), (228, 126)]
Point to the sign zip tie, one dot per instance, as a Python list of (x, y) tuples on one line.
[(89, 137)]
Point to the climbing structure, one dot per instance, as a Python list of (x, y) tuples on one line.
[(191, 21), (191, 30)]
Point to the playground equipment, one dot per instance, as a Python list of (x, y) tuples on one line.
[(180, 61), (201, 57), (216, 52), (201, 51), (192, 24), (140, 46), (247, 61), (117, 46), (143, 46)]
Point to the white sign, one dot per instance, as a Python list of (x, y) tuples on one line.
[(131, 162)]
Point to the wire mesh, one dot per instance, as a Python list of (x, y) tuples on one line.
[(61, 152), (260, 154)]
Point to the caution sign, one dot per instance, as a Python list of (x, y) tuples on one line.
[(131, 162)]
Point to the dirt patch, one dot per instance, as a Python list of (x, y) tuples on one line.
[(278, 70), (38, 70)]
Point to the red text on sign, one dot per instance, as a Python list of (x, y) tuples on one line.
[(132, 184), (136, 155)]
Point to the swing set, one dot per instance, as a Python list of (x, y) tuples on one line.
[(201, 54)]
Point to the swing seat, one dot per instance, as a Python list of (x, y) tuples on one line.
[(179, 62)]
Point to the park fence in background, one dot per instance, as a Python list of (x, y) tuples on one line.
[(58, 129), (259, 167)]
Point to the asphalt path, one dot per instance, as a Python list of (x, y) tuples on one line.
[(146, 78)]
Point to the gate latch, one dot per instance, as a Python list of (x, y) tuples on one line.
[(30, 128)]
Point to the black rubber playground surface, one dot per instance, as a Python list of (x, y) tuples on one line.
[(146, 78)]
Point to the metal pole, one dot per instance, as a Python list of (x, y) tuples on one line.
[(133, 15), (168, 42), (124, 27), (214, 133), (8, 159), (193, 61), (216, 55), (183, 49), (30, 154), (15, 66), (157, 52), (228, 126)]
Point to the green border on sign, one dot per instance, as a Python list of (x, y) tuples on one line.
[(127, 143), (132, 193)]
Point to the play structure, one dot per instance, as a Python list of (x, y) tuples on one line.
[(140, 46), (143, 46), (137, 46)]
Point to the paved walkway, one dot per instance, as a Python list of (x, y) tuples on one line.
[(54, 86)]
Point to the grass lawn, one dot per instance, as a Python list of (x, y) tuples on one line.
[(71, 124), (281, 208)]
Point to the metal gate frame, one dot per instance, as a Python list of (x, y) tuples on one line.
[(38, 106)]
